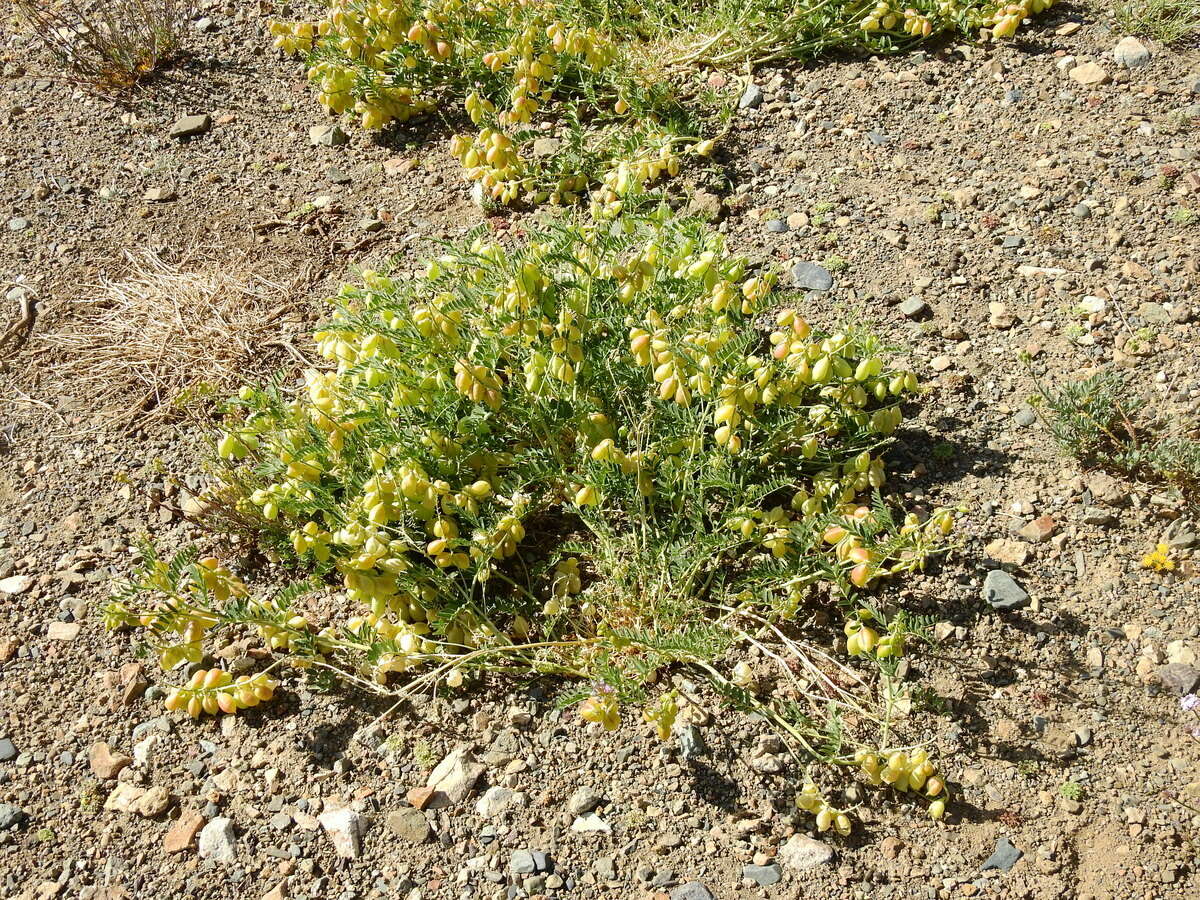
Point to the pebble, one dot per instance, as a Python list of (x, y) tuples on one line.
[(584, 800), (217, 841), (1004, 857), (590, 823), (190, 126), (751, 98), (777, 226), (802, 852), (344, 828), (691, 742), (914, 308), (7, 750), (1131, 53), (182, 834), (18, 223), (1002, 592), (11, 816), (763, 876), (104, 763), (454, 778), (811, 277), (496, 800), (1179, 678), (409, 825), (327, 136), (605, 868), (692, 890), (1090, 74), (15, 584), (159, 195)]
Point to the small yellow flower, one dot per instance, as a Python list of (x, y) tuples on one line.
[(1159, 559)]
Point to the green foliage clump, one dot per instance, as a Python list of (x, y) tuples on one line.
[(1164, 20), (1102, 422)]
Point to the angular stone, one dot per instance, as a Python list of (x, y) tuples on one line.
[(327, 136), (190, 126), (132, 799), (1039, 530), (217, 841), (496, 800), (811, 277), (914, 308), (1004, 857), (104, 763), (11, 816), (1007, 552), (344, 828), (1089, 74), (692, 890), (1179, 678), (546, 146), (454, 778), (420, 797), (1002, 592), (1107, 490), (182, 834), (802, 852), (409, 825), (751, 98), (159, 195)]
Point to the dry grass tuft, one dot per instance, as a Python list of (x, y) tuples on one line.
[(164, 333)]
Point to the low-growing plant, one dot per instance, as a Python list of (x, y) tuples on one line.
[(1164, 20), (615, 80), (1100, 421), (111, 44), (1071, 790), (577, 457)]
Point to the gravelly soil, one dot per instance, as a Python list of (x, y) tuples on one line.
[(934, 186)]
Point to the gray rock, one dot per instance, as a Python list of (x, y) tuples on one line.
[(605, 868), (1025, 417), (763, 876), (914, 308), (18, 223), (802, 852), (337, 176), (160, 724), (327, 136), (529, 862), (409, 825), (811, 277), (751, 98), (204, 25), (191, 126), (1004, 857), (7, 750), (11, 816), (1082, 211), (1179, 678), (877, 138), (217, 841), (692, 890), (777, 226), (691, 743), (1097, 515), (1131, 53), (1002, 592)]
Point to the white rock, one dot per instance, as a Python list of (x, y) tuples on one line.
[(496, 801), (15, 584), (217, 841), (345, 828), (802, 852), (454, 777), (591, 823), (1131, 53), (143, 750)]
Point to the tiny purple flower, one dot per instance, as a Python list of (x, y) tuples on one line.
[(1190, 702)]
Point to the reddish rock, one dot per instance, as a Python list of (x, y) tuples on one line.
[(106, 764), (182, 835), (420, 797), (1039, 530)]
